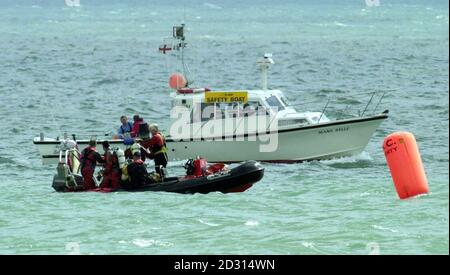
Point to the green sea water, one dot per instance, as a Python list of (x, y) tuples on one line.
[(77, 69)]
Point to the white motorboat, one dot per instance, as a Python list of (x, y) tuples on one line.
[(239, 125)]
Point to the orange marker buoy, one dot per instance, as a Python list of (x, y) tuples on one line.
[(177, 81), (403, 158)]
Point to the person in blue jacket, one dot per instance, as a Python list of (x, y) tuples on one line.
[(125, 128)]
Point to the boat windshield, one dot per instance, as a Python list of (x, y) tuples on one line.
[(285, 101), (275, 103), (209, 111)]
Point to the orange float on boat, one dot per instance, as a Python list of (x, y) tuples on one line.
[(177, 81), (403, 158)]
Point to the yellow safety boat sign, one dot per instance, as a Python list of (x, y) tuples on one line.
[(226, 97)]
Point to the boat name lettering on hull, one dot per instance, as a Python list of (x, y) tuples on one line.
[(329, 131)]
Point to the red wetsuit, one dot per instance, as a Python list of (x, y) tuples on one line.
[(111, 173), (89, 159)]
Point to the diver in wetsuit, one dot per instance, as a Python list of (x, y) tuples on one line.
[(89, 159), (137, 172), (111, 171)]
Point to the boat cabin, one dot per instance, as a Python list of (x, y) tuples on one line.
[(213, 108)]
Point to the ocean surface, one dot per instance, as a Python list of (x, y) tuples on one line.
[(77, 69)]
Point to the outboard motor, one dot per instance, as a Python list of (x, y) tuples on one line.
[(189, 166), (60, 179), (196, 167), (62, 170), (200, 166), (65, 179)]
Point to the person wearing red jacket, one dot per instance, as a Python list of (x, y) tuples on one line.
[(111, 172), (89, 159), (138, 121), (158, 148)]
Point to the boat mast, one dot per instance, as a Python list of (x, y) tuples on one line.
[(178, 44), (264, 64), (178, 35)]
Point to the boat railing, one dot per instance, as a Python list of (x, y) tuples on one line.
[(85, 135), (342, 106)]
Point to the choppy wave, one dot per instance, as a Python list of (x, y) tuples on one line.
[(212, 6), (146, 243), (5, 160), (208, 223), (87, 73)]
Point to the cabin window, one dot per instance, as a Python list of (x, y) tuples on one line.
[(301, 121), (251, 108), (297, 121), (208, 111), (234, 110), (221, 110), (202, 112), (275, 103)]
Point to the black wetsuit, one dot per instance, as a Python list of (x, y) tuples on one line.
[(137, 173)]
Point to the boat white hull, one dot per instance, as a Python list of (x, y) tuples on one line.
[(315, 142)]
